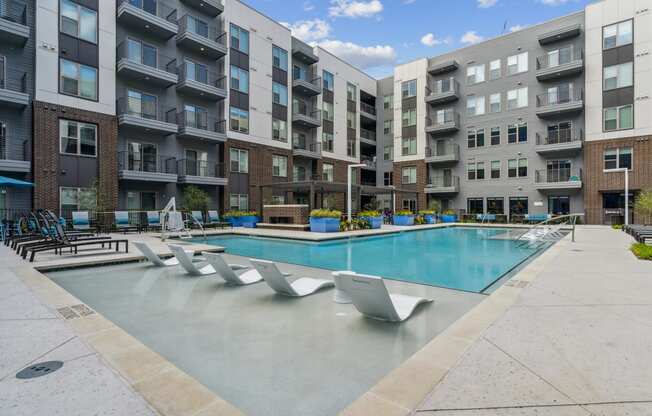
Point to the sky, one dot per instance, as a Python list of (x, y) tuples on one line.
[(375, 35)]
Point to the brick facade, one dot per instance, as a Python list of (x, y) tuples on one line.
[(422, 181), (340, 175), (597, 181), (296, 214), (46, 164)]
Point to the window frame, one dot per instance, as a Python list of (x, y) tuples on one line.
[(411, 120), (618, 110), (411, 146), (235, 73), (519, 62), (240, 153), (409, 169), (282, 56), (618, 76), (277, 169), (326, 83), (282, 88), (240, 198), (617, 26), (281, 137), (617, 159), (79, 8), (236, 32), (475, 68), (409, 89), (79, 81), (79, 124), (518, 127)]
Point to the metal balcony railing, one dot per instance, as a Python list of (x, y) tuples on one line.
[(447, 149), (306, 145), (443, 86), (564, 94), (560, 136), (199, 73), (134, 51), (11, 79), (153, 7), (441, 181), (303, 109), (316, 81), (144, 108), (562, 56), (369, 161), (203, 168), (201, 121), (14, 11), (558, 175), (443, 117), (368, 134), (369, 109), (144, 162), (12, 148), (199, 27)]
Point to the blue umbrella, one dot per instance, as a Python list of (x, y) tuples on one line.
[(15, 183)]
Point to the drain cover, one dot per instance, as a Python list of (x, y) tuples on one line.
[(40, 369)]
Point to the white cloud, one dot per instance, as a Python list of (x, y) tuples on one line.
[(363, 57), (483, 4), (471, 37), (429, 39), (308, 6), (354, 8), (516, 28), (309, 30)]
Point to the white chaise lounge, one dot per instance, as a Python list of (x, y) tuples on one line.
[(154, 258), (278, 281), (235, 274), (185, 260), (370, 297)]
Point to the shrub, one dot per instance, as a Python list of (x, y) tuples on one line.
[(354, 225), (419, 220), (643, 205), (325, 213), (434, 205), (427, 212), (370, 213), (449, 212), (617, 226), (237, 214), (642, 251), (195, 199), (403, 212)]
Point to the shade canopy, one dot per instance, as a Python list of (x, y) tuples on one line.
[(14, 183)]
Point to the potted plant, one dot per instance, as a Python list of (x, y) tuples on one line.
[(448, 216), (403, 217), (249, 219), (374, 218), (234, 218), (325, 221), (429, 216)]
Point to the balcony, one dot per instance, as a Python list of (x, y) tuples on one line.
[(368, 111), (445, 121), (13, 22), (558, 179), (14, 155), (137, 166), (154, 68), (443, 67), (566, 32), (146, 116), (444, 91), (443, 185), (196, 81), (369, 162), (446, 153), (198, 125), (303, 148), (564, 100), (213, 8), (561, 63), (307, 87), (13, 87), (368, 137), (201, 172), (305, 116), (154, 18), (303, 52), (560, 142), (199, 37)]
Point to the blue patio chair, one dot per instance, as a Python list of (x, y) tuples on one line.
[(153, 219), (198, 217), (80, 221), (214, 220), (122, 222)]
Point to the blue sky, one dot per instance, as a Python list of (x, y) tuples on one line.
[(376, 34)]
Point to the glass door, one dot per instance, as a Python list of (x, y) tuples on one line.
[(191, 162), (559, 205), (148, 201), (135, 157), (149, 156)]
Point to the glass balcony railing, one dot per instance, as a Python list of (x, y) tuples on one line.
[(199, 27), (200, 120), (143, 54), (367, 108), (189, 71), (563, 94)]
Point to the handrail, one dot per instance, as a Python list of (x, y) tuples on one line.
[(194, 221), (572, 217)]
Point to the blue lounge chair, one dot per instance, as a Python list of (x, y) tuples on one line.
[(122, 222), (80, 221), (536, 217), (486, 217), (153, 220), (214, 220)]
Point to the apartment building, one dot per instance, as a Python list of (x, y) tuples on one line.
[(619, 107), (16, 94)]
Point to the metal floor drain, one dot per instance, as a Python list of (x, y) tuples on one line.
[(517, 283), (39, 370), (75, 311)]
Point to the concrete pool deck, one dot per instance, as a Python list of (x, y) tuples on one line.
[(568, 335)]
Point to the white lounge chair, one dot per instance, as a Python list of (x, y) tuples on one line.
[(185, 260), (339, 295), (371, 298), (278, 281), (246, 276), (154, 258)]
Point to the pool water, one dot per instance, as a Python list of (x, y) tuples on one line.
[(462, 258)]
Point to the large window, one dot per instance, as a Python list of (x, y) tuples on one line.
[(517, 63), (494, 69), (475, 138), (329, 81), (388, 126), (240, 80), (239, 39), (475, 170), (77, 79), (409, 89), (517, 168), (619, 118), (495, 103), (279, 94), (475, 105), (517, 98), (77, 199), (327, 142), (351, 120), (279, 130), (495, 136), (409, 175), (279, 166), (328, 110), (559, 205), (475, 74), (517, 133), (496, 206), (618, 34), (388, 102), (388, 178), (239, 160), (618, 158), (279, 58), (618, 76), (239, 202), (409, 118), (475, 205), (78, 21), (142, 53), (388, 152), (518, 205), (239, 120), (495, 169), (77, 138), (408, 146), (351, 92), (327, 172)]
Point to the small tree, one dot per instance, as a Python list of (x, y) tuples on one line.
[(195, 199), (435, 205), (643, 205)]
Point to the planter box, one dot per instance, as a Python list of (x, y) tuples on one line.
[(324, 225), (375, 222), (403, 219), (235, 221), (249, 221), (430, 219), (449, 218)]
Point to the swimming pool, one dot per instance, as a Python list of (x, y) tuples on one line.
[(462, 258)]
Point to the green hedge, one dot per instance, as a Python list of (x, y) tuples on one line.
[(326, 213), (236, 214), (403, 212), (642, 251), (369, 214)]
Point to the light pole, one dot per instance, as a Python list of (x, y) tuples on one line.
[(626, 170), (348, 192)]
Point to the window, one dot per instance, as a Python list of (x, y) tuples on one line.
[(76, 199), (517, 98), (408, 146), (495, 169), (350, 120), (522, 168), (409, 175), (279, 166), (410, 204), (239, 39), (618, 76), (388, 178), (495, 103), (143, 157), (327, 141), (328, 110), (619, 118), (388, 102), (239, 160), (618, 158), (517, 168), (279, 130), (142, 53), (495, 136), (239, 202), (388, 152), (494, 69), (517, 133), (475, 138), (78, 21), (327, 171), (388, 126), (409, 89), (559, 205), (239, 120), (329, 81), (77, 138), (279, 58), (279, 94), (518, 205), (479, 171), (475, 205), (474, 105), (142, 105), (299, 72), (78, 80), (475, 170), (496, 206), (409, 117), (351, 148), (240, 80), (475, 74), (517, 63), (351, 92), (618, 34)]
